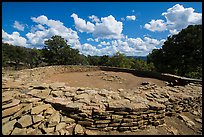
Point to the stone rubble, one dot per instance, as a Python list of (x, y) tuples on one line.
[(58, 109)]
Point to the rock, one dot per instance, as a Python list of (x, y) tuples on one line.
[(173, 131), (54, 119), (90, 132), (40, 108), (8, 127), (78, 130), (70, 128), (49, 111), (139, 107), (19, 131), (186, 120), (25, 121), (156, 106), (40, 86), (67, 120), (57, 93), (74, 106), (24, 110), (30, 100), (49, 129), (13, 103), (11, 111), (5, 120), (198, 120), (85, 123), (57, 85), (37, 118), (145, 83), (60, 126)]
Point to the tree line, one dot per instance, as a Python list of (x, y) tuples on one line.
[(181, 54)]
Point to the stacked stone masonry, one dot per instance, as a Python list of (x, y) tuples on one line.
[(38, 108)]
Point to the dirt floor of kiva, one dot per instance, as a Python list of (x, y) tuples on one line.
[(102, 79)]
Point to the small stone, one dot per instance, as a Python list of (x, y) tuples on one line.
[(78, 130), (49, 129), (8, 127)]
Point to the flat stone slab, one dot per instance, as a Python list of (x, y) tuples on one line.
[(40, 108), (8, 127), (11, 111), (13, 103), (25, 121)]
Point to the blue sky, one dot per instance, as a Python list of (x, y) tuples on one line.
[(98, 28)]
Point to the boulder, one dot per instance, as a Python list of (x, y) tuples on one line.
[(8, 127)]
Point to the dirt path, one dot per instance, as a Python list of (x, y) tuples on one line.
[(102, 79)]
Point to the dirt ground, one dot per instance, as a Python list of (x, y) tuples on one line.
[(117, 80), (102, 79)]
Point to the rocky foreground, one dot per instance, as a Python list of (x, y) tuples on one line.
[(36, 108)]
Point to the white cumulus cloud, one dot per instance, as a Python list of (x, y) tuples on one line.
[(14, 39), (46, 28), (130, 17), (94, 18), (177, 18), (109, 28), (18, 26), (156, 25), (81, 25)]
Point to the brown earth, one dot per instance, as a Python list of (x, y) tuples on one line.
[(102, 79)]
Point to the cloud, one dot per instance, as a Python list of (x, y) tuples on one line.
[(109, 28), (94, 18), (81, 24), (46, 28), (133, 10), (177, 18), (14, 39), (122, 19), (18, 26), (127, 46), (156, 25), (105, 43), (130, 17), (90, 39)]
